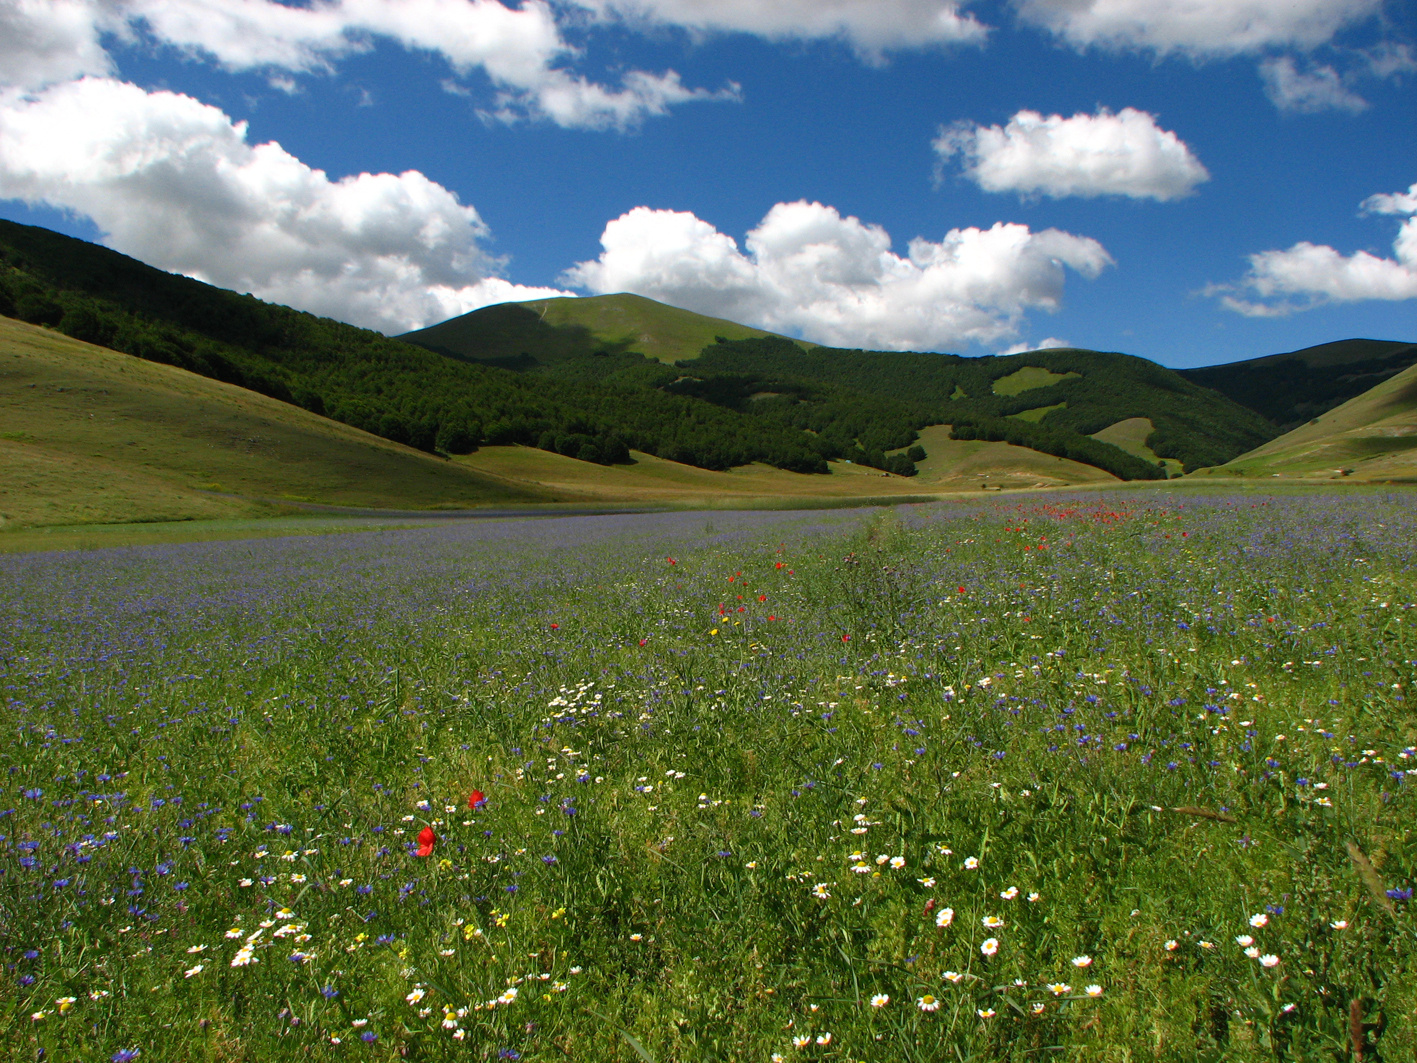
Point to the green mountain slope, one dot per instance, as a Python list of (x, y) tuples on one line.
[(1292, 388), (91, 436), (594, 407), (397, 390), (545, 331), (1088, 391), (1370, 437)]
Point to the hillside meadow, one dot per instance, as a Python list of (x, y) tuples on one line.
[(92, 436), (1109, 776)]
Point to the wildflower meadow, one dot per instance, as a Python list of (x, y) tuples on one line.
[(1095, 777)]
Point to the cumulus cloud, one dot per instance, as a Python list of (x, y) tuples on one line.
[(175, 183), (1052, 343), (870, 26), (521, 49), (44, 41), (808, 270), (1308, 275), (1102, 154), (1318, 88), (1197, 28)]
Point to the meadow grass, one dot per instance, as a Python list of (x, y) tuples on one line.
[(1110, 777), (92, 436)]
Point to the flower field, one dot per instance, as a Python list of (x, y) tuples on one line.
[(1098, 777)]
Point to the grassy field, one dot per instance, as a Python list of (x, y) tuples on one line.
[(1102, 777), (1039, 412), (1371, 437), (1131, 436), (108, 536), (90, 436), (953, 466), (1028, 378)]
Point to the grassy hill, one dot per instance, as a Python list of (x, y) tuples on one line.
[(1371, 437), (951, 467), (545, 331), (587, 379), (1292, 388), (594, 408), (90, 436), (397, 390), (1131, 435)]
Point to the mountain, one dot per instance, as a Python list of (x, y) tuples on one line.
[(585, 378), (1039, 399), (396, 390), (593, 407), (1370, 437), (545, 331), (91, 436), (1292, 388)]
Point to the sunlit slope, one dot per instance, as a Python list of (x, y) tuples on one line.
[(88, 435), (1131, 435), (545, 331), (1372, 437), (952, 466)]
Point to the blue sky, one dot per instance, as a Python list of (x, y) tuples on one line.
[(1236, 179)]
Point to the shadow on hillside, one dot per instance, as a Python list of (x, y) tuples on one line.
[(504, 336)]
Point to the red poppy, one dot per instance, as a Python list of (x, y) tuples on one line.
[(555, 627), (426, 840), (476, 799)]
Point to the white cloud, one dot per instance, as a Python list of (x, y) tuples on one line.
[(1389, 60), (1052, 343), (1308, 275), (521, 49), (175, 183), (43, 41), (1102, 154), (1198, 28), (835, 280), (1392, 202), (870, 26), (1307, 91)]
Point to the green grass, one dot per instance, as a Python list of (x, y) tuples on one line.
[(108, 536), (1028, 378), (952, 466), (1035, 415), (551, 330), (1135, 728), (1371, 437), (93, 436), (1131, 435)]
